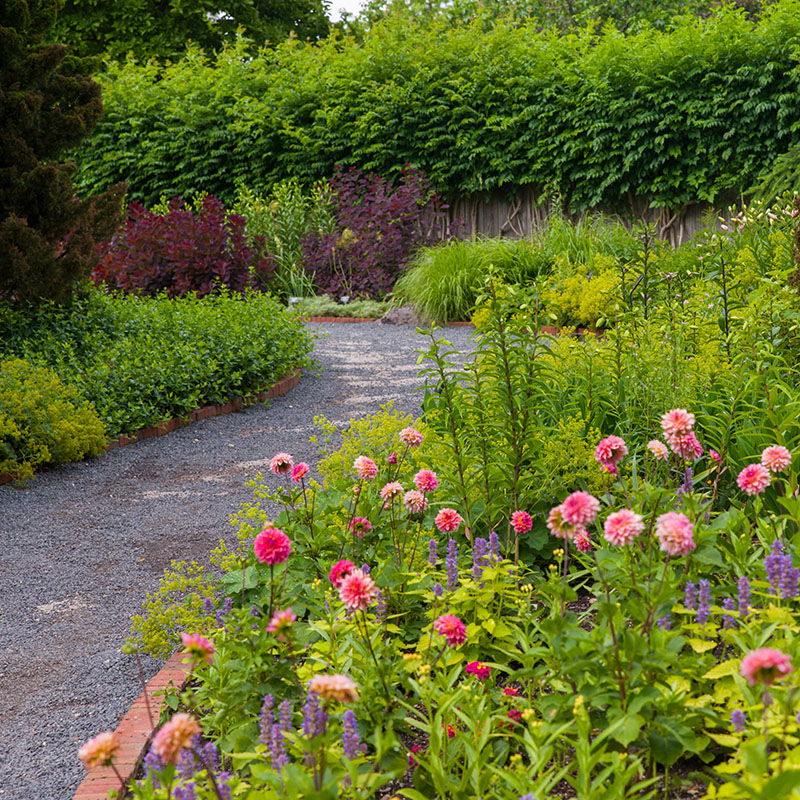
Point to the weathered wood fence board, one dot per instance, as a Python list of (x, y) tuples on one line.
[(526, 213)]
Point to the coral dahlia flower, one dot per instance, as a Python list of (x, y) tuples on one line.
[(174, 736), (391, 490), (658, 449), (580, 509), (415, 501), (339, 571), (334, 687), (360, 526), (357, 590), (452, 628), (521, 521), (753, 479), (426, 481), (281, 622), (99, 751), (677, 422), (299, 471), (411, 437), (448, 520), (610, 451), (198, 647), (365, 468), (622, 527)]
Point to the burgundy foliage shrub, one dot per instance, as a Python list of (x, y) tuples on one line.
[(379, 227), (181, 252)]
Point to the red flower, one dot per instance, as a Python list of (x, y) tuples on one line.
[(478, 669)]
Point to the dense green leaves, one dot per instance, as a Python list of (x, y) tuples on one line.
[(692, 114)]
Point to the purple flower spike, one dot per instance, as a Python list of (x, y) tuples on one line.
[(690, 596), (744, 597), (704, 602), (738, 720), (728, 621), (452, 565), (432, 557)]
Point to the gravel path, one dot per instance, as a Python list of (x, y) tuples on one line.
[(84, 543)]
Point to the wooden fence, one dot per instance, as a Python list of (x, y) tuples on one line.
[(498, 216)]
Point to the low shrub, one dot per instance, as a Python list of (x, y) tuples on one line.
[(326, 306), (141, 361), (378, 227), (42, 421), (179, 251)]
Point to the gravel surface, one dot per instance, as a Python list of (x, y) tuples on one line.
[(84, 543)]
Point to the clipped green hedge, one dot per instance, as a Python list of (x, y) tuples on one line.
[(691, 114), (141, 361)]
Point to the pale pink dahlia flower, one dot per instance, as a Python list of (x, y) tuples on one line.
[(357, 590), (580, 509), (677, 422), (521, 521), (334, 687), (281, 622), (753, 479), (658, 449), (452, 628), (610, 451), (583, 542), (675, 534), (391, 490), (339, 571), (426, 481), (360, 526), (685, 445), (99, 751), (448, 520), (415, 501), (365, 468), (272, 546), (622, 527), (765, 665), (198, 647), (281, 463), (776, 458), (411, 437), (174, 736), (299, 471), (558, 525)]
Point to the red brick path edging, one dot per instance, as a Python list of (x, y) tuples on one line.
[(277, 390), (135, 733), (367, 319)]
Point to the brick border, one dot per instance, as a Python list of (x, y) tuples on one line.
[(369, 319), (135, 733), (284, 385)]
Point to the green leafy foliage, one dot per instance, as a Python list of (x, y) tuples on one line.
[(676, 117), (162, 30), (325, 306), (42, 421), (140, 361)]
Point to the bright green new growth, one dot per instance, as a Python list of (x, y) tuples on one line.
[(42, 421)]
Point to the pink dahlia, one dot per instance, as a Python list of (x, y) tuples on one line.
[(715, 456), (677, 422), (415, 501), (339, 571), (334, 687), (174, 736), (392, 458), (753, 479), (272, 546), (426, 481), (365, 468), (452, 628), (610, 451), (391, 490), (685, 445), (410, 437), (559, 526), (776, 458), (658, 449), (622, 527), (99, 751), (478, 669), (281, 622), (360, 526), (579, 509), (299, 471), (357, 590), (198, 647), (765, 665), (675, 534), (281, 463), (448, 520), (521, 521), (583, 542)]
